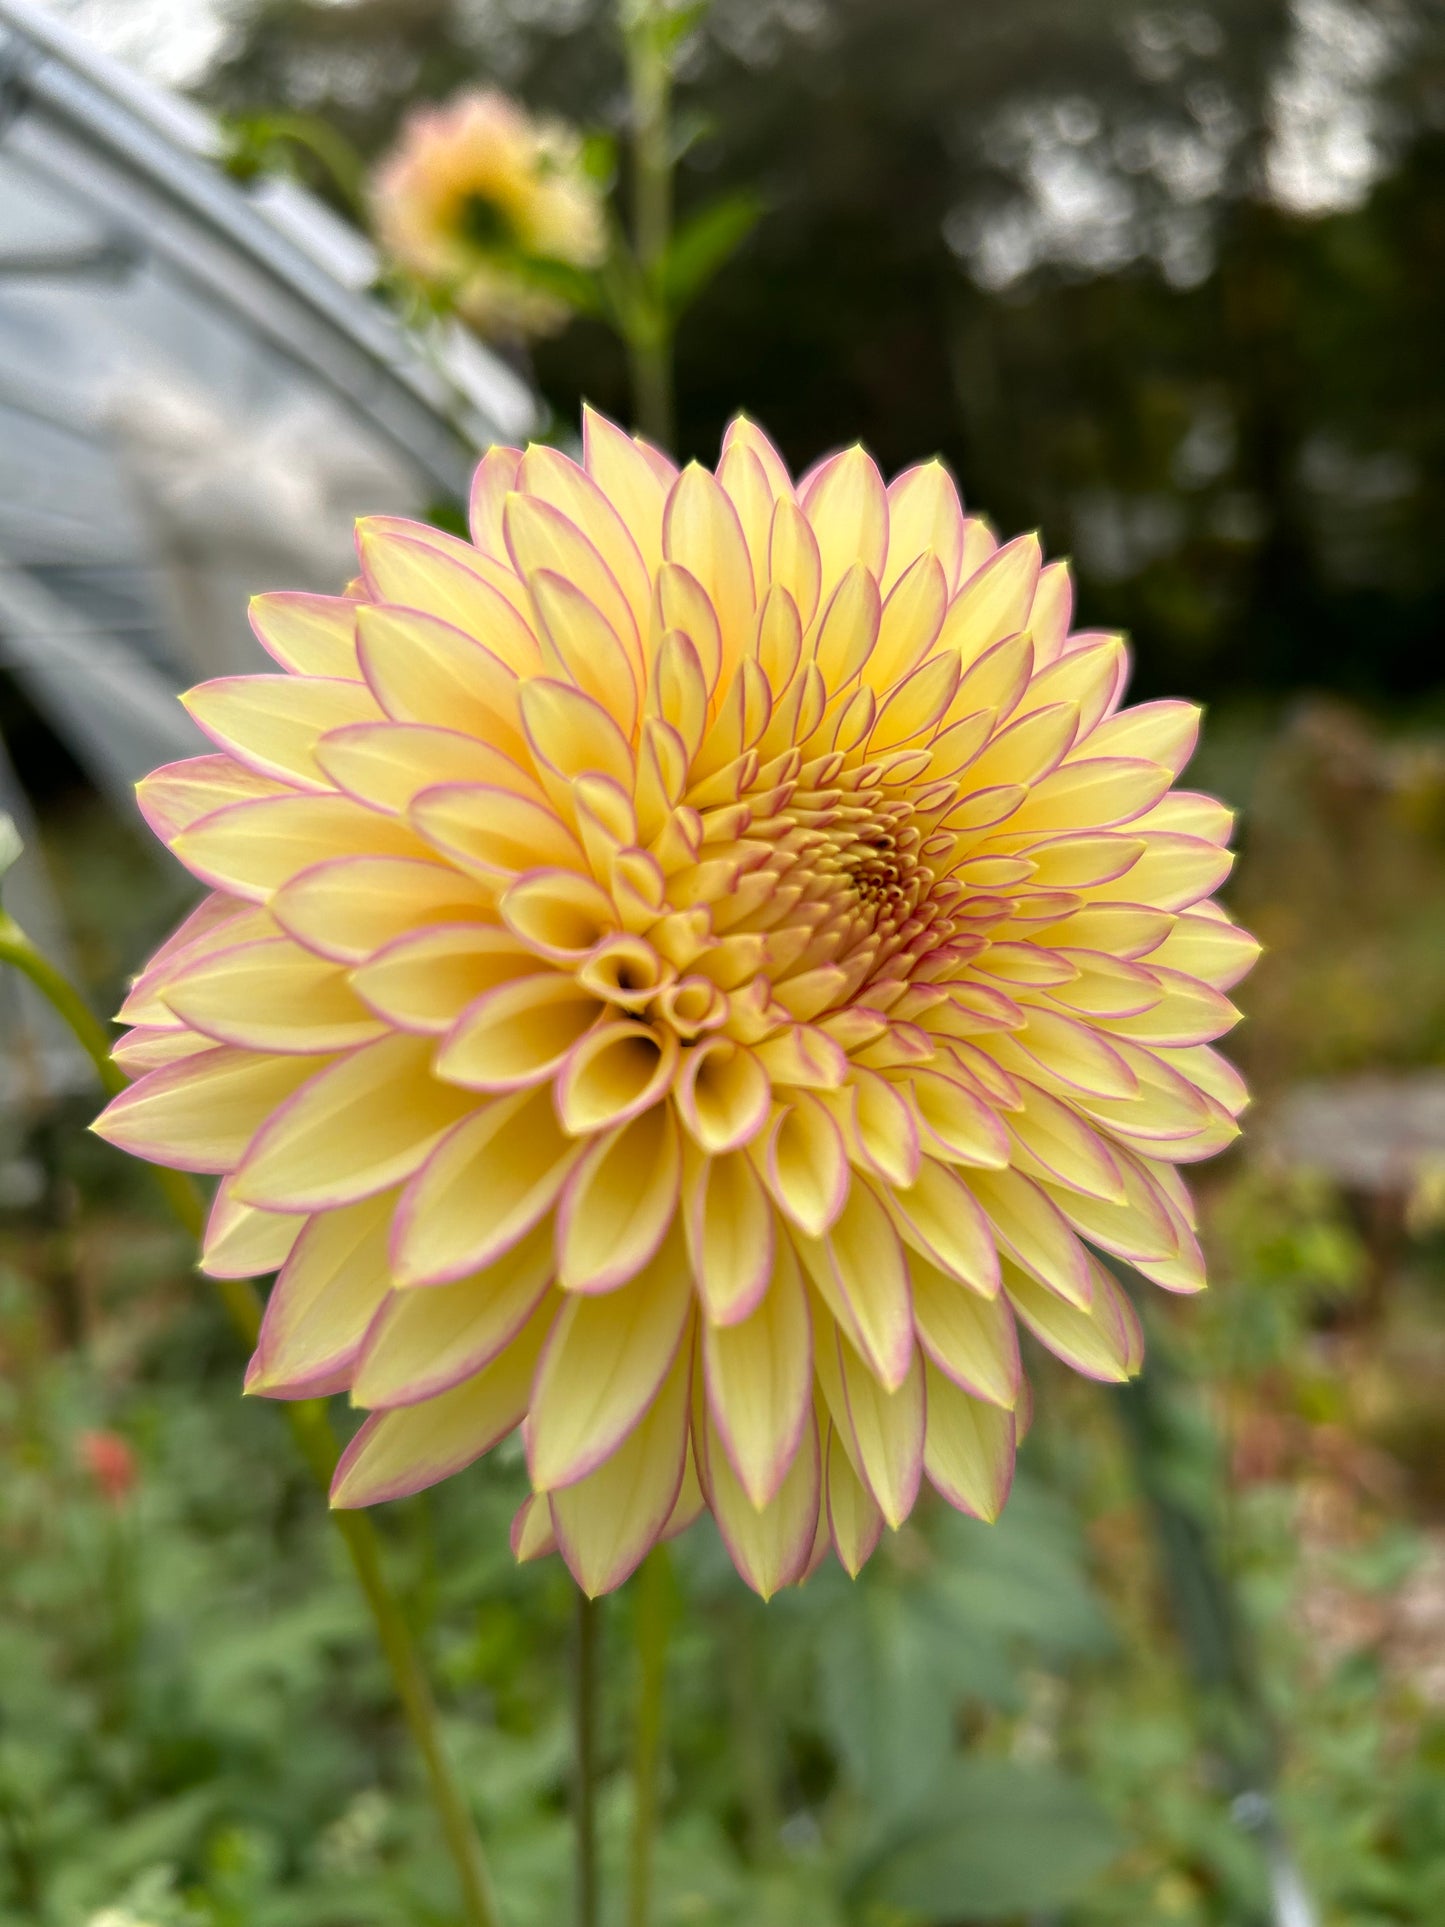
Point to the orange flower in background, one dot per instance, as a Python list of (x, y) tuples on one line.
[(470, 187), (688, 972)]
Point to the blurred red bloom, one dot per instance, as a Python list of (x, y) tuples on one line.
[(110, 1462)]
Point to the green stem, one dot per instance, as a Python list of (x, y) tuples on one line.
[(589, 1615), (649, 330), (311, 1428), (654, 1606)]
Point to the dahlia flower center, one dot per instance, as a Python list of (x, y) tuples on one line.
[(483, 223)]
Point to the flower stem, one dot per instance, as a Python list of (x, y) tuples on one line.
[(589, 1619), (311, 1429), (654, 1607), (649, 329)]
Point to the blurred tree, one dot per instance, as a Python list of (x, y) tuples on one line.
[(1164, 280)]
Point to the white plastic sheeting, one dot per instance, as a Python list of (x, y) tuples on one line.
[(198, 395)]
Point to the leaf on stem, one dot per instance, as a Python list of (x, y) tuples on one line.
[(702, 245)]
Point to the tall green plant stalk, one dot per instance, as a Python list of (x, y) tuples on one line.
[(644, 319), (647, 39), (589, 1626), (654, 1605), (311, 1428)]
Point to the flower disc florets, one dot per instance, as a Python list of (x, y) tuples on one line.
[(688, 971)]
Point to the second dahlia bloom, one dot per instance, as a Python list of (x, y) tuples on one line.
[(471, 185), (688, 973)]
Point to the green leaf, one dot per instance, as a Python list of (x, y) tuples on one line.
[(889, 1714), (702, 245), (995, 1839), (10, 844), (599, 157), (579, 288)]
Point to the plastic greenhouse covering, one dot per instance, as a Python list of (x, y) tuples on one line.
[(198, 395)]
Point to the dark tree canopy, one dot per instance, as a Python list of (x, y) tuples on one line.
[(1166, 282)]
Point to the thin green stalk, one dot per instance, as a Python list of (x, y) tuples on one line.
[(654, 1607), (311, 1428), (589, 1617), (649, 328)]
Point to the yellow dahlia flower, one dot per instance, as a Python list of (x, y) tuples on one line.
[(689, 972), (470, 186)]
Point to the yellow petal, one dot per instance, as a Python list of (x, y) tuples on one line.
[(201, 1113), (939, 1217), (614, 1074), (1092, 1340), (275, 722), (429, 1339), (173, 798), (910, 621), (540, 536), (559, 913), (1214, 951), (971, 1339), (759, 1378), (423, 670), (518, 1033), (272, 996), (886, 1430), (242, 1242), (550, 476), (924, 514), (422, 570), (845, 501), (770, 1546), (311, 635), (855, 1518), (618, 1203), (745, 483), (968, 1450), (995, 602), (1034, 1232), (794, 564), (581, 646), (861, 1274), (731, 1236), (701, 533), (573, 734), (723, 1094), (494, 479), (1093, 792), (389, 764), (849, 628), (1059, 1148), (494, 833), (325, 1298), (362, 1125), (482, 1189), (806, 1165), (353, 907), (399, 1452), (958, 1126), (607, 1522), (628, 480), (253, 849), (424, 981), (604, 1364)]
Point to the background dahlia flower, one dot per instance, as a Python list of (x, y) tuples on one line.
[(472, 186), (688, 973)]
